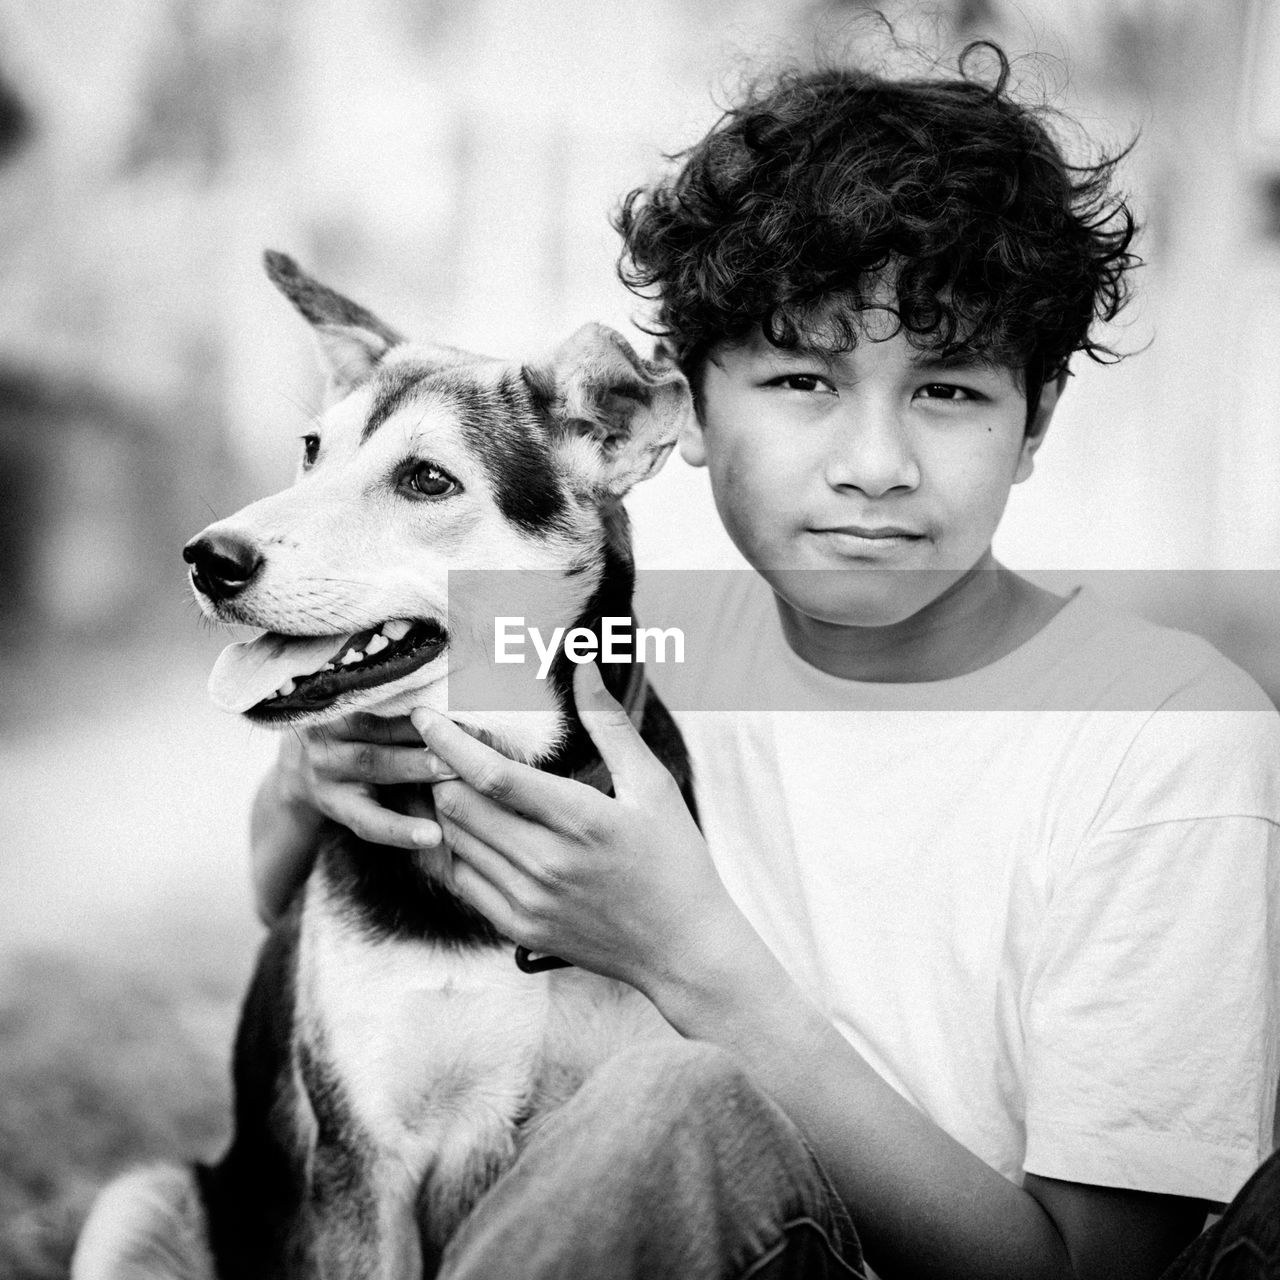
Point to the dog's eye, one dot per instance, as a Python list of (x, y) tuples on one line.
[(428, 480), (310, 450)]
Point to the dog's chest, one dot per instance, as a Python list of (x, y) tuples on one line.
[(441, 1053)]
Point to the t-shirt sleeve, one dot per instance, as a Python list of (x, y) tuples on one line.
[(1150, 1015)]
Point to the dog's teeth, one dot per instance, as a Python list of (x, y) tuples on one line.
[(286, 689), (351, 656), (377, 644), (396, 629), (328, 666)]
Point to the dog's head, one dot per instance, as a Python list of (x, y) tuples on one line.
[(426, 459)]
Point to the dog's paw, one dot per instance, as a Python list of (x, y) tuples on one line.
[(146, 1225)]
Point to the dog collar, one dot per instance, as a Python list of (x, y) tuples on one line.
[(596, 774)]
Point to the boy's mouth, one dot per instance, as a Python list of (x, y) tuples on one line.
[(874, 532), (864, 539), (275, 676)]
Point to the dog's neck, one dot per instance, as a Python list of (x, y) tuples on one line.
[(591, 768), (576, 753), (393, 893)]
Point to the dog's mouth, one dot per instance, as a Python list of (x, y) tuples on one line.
[(277, 677)]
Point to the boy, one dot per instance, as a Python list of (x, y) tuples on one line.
[(1004, 979)]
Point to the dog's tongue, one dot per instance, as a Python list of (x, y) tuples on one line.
[(252, 670)]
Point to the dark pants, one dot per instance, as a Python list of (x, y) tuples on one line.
[(1244, 1244), (669, 1164)]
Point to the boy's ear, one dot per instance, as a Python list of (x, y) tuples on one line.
[(693, 448), (615, 415), (352, 341), (1038, 427)]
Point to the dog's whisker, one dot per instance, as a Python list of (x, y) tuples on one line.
[(329, 617)]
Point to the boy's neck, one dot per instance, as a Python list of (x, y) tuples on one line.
[(984, 615)]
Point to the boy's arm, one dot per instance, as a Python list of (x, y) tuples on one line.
[(282, 839), (923, 1204), (1118, 1232), (625, 887)]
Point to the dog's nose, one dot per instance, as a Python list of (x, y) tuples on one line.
[(221, 566)]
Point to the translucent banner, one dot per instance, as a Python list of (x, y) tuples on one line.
[(849, 639)]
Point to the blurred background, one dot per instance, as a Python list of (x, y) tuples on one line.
[(453, 163)]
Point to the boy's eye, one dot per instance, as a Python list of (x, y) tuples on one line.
[(310, 450), (801, 382), (947, 391), (429, 481)]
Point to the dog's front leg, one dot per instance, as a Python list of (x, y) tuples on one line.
[(359, 1212), (356, 1230)]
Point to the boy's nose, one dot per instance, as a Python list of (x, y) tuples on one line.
[(871, 452)]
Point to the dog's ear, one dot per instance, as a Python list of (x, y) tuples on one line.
[(351, 339), (616, 415)]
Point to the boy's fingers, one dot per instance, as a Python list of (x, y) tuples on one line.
[(516, 786), (474, 852), (474, 889), (458, 805), (629, 760), (362, 814), (500, 893), (360, 726), (370, 762)]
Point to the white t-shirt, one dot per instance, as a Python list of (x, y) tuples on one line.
[(1042, 900)]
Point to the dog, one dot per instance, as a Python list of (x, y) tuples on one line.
[(394, 1051)]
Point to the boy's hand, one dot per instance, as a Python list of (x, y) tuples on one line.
[(330, 771), (622, 886), (334, 768)]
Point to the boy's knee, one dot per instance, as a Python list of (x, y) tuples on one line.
[(686, 1075), (690, 1116), (685, 1096)]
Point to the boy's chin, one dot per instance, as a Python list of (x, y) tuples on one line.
[(861, 597)]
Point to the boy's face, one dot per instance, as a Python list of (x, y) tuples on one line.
[(880, 458)]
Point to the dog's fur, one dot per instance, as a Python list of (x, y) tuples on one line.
[(392, 1057)]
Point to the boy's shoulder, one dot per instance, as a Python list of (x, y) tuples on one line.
[(1185, 732), (1135, 663), (1093, 655)]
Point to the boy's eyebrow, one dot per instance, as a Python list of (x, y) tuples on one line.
[(925, 360), (805, 351), (956, 362)]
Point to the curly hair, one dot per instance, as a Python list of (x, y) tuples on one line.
[(822, 186)]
